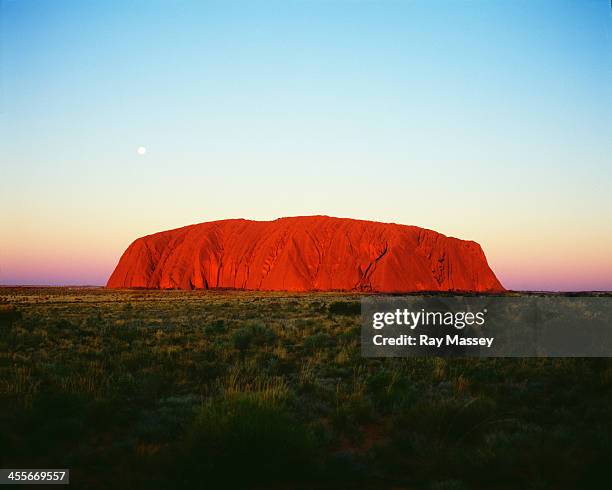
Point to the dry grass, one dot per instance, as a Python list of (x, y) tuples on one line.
[(155, 385)]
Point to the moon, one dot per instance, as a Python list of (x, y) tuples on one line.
[(141, 150)]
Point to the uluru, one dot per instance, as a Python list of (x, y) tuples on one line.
[(304, 253)]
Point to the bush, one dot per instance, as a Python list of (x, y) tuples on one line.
[(262, 334), (217, 326), (8, 315), (242, 339), (245, 438), (317, 341), (254, 334), (347, 308)]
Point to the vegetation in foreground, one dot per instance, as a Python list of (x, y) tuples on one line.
[(170, 389)]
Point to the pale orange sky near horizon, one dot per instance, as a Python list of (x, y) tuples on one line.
[(87, 257)]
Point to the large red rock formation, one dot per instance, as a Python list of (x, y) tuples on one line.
[(302, 254)]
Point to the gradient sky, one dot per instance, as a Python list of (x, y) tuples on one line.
[(489, 121)]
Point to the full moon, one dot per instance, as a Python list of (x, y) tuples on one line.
[(141, 150)]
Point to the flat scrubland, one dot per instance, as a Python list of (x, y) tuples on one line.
[(170, 389)]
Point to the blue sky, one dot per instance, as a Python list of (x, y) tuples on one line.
[(488, 121)]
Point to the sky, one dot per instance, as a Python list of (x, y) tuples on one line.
[(489, 121)]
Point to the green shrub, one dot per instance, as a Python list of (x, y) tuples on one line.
[(242, 339), (8, 315), (262, 334), (316, 341), (389, 389), (254, 334), (245, 438), (347, 308), (64, 324), (215, 327)]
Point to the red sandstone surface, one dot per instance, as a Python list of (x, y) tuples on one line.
[(304, 253)]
